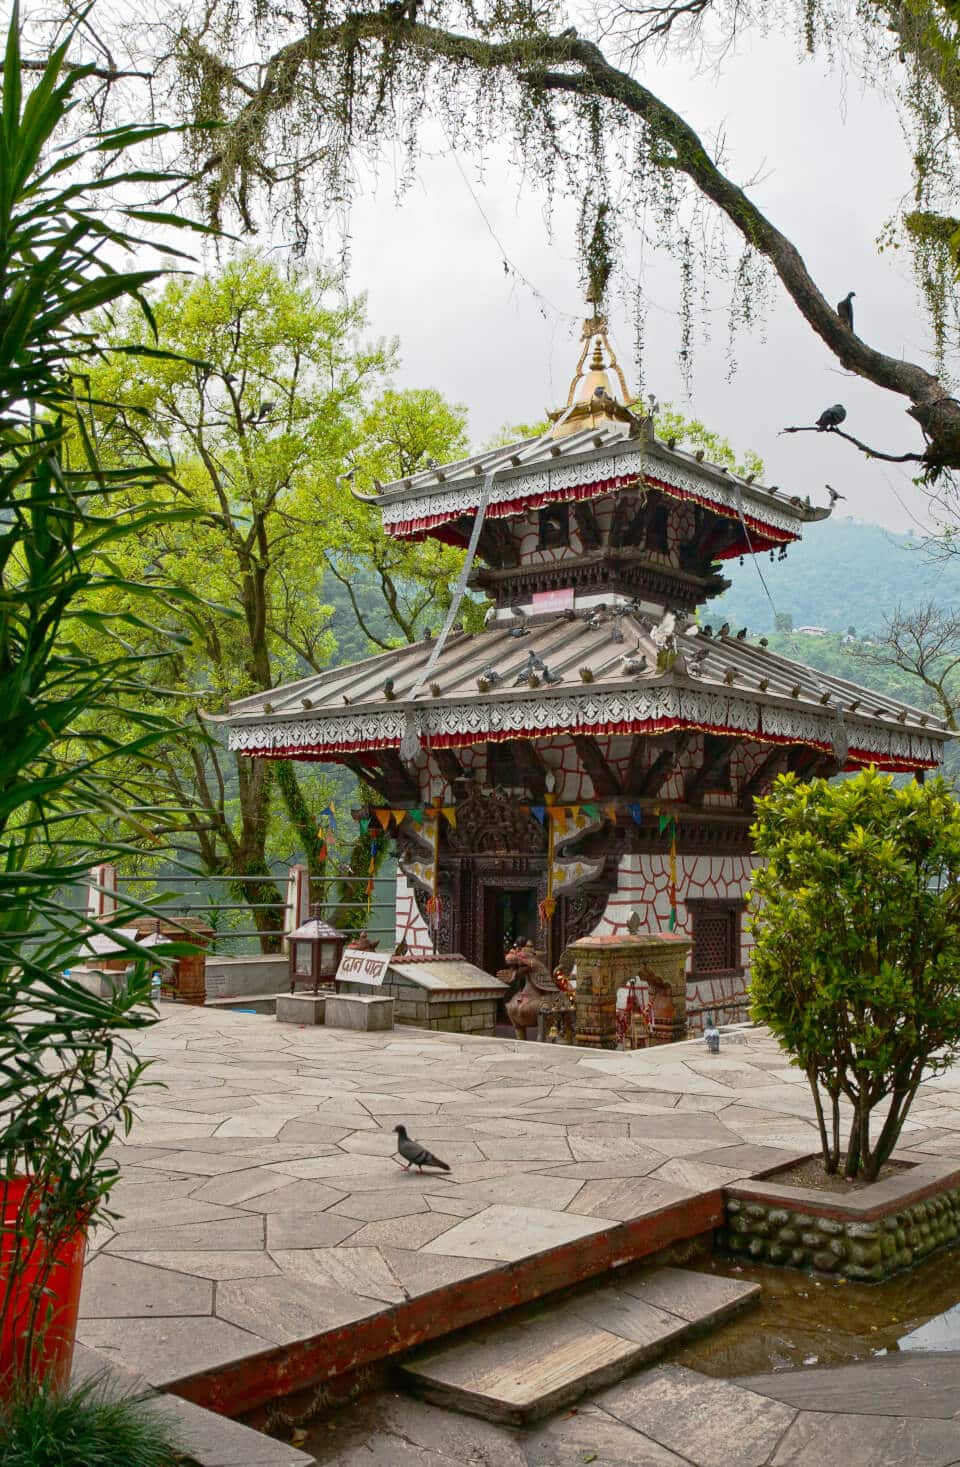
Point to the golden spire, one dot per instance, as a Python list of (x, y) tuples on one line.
[(590, 401)]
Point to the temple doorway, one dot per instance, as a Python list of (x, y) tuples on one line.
[(511, 917)]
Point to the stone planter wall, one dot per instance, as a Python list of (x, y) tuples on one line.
[(868, 1235)]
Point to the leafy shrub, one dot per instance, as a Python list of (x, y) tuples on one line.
[(856, 970)]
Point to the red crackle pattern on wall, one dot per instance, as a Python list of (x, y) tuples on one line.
[(410, 926)]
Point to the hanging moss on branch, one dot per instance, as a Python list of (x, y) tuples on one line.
[(340, 84)]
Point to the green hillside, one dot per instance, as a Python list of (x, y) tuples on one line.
[(842, 574)]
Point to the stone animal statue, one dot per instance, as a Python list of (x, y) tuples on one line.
[(530, 982)]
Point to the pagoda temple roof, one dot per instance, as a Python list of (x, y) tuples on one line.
[(608, 672), (584, 465)]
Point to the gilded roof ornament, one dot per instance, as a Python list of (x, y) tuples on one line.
[(590, 401)]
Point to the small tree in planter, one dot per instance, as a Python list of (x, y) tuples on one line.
[(856, 969)]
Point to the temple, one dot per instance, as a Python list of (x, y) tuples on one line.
[(588, 762)]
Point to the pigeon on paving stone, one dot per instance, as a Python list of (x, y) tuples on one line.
[(414, 1154)]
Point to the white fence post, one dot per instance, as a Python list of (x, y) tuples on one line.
[(101, 892), (298, 900)]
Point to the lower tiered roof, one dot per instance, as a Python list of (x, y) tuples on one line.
[(609, 672)]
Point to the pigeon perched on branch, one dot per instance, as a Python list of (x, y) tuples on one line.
[(845, 309), (416, 1155), (832, 417)]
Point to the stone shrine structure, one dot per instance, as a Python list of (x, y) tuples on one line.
[(588, 763)]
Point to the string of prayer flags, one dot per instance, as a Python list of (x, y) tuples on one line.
[(372, 870), (668, 823), (326, 831)]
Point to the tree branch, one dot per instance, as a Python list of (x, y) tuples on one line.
[(532, 59), (889, 458)]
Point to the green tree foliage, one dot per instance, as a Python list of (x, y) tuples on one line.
[(399, 433), (856, 969), (267, 406), (672, 426)]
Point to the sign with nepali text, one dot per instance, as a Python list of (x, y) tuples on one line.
[(360, 966)]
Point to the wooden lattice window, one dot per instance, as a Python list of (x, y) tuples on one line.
[(716, 936), (658, 529), (503, 767), (554, 526)]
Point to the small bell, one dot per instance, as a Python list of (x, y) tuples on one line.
[(711, 1036)]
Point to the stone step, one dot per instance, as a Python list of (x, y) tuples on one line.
[(540, 1358)]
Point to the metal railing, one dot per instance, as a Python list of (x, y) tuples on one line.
[(241, 925)]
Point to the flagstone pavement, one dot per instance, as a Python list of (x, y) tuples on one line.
[(901, 1411), (261, 1204)]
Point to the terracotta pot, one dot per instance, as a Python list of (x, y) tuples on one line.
[(47, 1340)]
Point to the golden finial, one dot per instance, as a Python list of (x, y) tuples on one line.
[(590, 401)]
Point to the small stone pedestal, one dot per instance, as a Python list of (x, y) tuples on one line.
[(362, 1011), (301, 1008), (606, 964)]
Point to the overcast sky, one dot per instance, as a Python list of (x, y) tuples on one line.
[(832, 166)]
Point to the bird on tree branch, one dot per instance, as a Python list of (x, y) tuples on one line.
[(845, 309), (832, 417)]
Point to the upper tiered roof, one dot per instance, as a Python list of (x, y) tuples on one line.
[(596, 445)]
